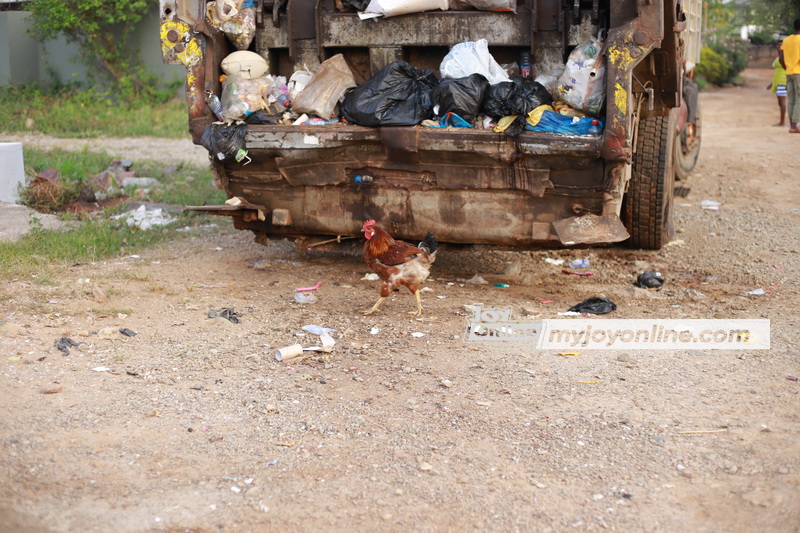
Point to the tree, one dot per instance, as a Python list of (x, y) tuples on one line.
[(102, 30)]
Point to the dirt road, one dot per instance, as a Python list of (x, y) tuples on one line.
[(192, 425)]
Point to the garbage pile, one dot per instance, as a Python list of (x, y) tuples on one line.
[(474, 91)]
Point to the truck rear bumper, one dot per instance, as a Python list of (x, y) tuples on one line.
[(467, 186)]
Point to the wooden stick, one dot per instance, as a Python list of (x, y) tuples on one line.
[(338, 239)]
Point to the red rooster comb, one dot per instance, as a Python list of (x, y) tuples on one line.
[(368, 223)]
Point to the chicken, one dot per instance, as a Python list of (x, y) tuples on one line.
[(397, 263)]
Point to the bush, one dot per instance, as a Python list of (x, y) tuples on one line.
[(712, 67)]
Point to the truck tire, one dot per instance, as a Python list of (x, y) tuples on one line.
[(687, 150), (647, 206)]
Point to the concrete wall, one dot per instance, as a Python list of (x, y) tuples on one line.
[(24, 59), (19, 52)]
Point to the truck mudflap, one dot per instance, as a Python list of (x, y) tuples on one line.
[(468, 186)]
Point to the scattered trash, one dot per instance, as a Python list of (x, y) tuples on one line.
[(565, 271), (551, 261), (374, 331), (313, 288), (589, 382), (502, 285), (476, 280), (127, 332), (649, 280), (15, 358), (756, 292), (710, 205), (417, 334), (101, 369), (273, 462), (595, 306), (676, 242), (327, 344), (64, 344), (546, 301), (792, 378), (579, 263), (568, 354), (145, 219), (317, 330), (51, 389), (371, 277), (569, 313), (225, 312), (288, 352), (305, 298)]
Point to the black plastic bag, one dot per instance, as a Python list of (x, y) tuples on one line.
[(649, 280), (356, 5), (398, 95), (516, 97), (498, 100), (224, 142), (594, 306), (261, 117), (462, 96)]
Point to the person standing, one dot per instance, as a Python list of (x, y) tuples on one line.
[(790, 60), (778, 86)]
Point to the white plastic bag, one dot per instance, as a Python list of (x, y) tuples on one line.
[(583, 83), (298, 81), (472, 57)]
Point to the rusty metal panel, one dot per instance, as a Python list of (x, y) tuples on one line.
[(433, 29)]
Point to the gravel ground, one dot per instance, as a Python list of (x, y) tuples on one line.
[(191, 424)]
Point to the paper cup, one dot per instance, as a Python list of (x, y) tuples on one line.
[(289, 352)]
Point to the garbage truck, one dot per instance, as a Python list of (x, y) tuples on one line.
[(318, 180)]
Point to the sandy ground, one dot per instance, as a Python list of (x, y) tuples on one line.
[(192, 425)]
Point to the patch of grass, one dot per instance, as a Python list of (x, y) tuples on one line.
[(134, 276), (91, 241), (183, 184), (78, 112)]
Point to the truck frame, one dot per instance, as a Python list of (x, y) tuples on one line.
[(467, 186)]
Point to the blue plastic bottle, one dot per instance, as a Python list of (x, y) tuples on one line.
[(595, 128)]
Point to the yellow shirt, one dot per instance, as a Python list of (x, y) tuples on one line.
[(778, 75), (791, 54)]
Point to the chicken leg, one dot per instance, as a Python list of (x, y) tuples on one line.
[(375, 307), (418, 312)]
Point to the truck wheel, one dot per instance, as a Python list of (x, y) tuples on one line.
[(647, 206), (687, 150)]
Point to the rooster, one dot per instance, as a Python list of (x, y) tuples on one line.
[(397, 262)]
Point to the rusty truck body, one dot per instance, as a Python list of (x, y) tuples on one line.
[(467, 186)]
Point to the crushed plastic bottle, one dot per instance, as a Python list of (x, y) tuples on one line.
[(579, 263), (214, 104), (363, 179), (305, 298), (595, 128)]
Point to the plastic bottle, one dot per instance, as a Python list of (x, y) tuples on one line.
[(525, 65), (215, 105), (363, 179), (595, 128)]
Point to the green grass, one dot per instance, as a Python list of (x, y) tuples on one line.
[(84, 113), (98, 235), (182, 184)]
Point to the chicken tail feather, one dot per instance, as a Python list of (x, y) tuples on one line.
[(429, 243)]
